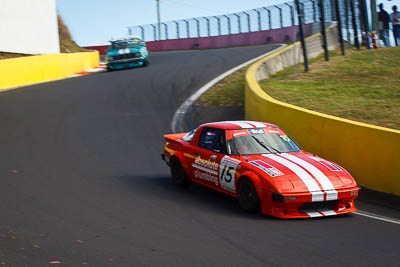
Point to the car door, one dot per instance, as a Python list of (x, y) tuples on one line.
[(208, 154)]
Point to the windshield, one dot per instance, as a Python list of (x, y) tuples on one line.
[(259, 141), (125, 44)]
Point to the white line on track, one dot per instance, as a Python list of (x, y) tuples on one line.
[(181, 111), (377, 217)]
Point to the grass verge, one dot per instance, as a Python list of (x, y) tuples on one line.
[(228, 92), (362, 86), (67, 45)]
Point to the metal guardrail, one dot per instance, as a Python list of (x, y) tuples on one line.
[(259, 19), (346, 13)]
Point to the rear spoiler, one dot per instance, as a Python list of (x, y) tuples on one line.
[(173, 138)]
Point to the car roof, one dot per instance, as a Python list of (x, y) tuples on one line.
[(232, 125), (126, 39)]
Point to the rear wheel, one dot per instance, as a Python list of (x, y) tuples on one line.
[(178, 174), (247, 196)]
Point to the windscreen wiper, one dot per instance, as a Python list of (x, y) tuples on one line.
[(264, 145)]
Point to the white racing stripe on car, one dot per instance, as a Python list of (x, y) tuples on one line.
[(204, 169), (327, 212), (311, 184), (331, 194), (312, 213), (320, 176), (257, 124), (241, 124)]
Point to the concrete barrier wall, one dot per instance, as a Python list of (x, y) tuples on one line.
[(287, 34), (29, 27), (35, 69), (370, 153)]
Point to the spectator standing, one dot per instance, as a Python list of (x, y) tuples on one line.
[(395, 18), (384, 19)]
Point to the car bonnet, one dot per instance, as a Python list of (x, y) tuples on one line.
[(299, 172)]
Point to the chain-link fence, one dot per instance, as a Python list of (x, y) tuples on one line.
[(260, 19), (294, 20)]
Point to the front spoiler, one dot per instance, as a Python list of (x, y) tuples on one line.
[(123, 61), (293, 212), (124, 65)]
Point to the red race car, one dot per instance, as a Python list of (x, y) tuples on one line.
[(263, 167)]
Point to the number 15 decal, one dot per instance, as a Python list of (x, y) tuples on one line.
[(227, 172)]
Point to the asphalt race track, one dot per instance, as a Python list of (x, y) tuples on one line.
[(82, 182)]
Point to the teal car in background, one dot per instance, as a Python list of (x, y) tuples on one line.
[(127, 53)]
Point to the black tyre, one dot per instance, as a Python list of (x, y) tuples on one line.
[(109, 69), (179, 177), (247, 196), (146, 63)]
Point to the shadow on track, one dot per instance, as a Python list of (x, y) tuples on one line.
[(196, 196), (200, 197)]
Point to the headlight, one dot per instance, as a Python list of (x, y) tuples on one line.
[(276, 197), (137, 54), (286, 198), (109, 58)]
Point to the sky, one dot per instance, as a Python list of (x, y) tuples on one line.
[(95, 22)]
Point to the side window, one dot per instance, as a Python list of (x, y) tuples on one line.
[(213, 139)]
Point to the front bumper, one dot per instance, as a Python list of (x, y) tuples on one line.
[(125, 63), (302, 207)]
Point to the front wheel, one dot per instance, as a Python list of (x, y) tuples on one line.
[(146, 62), (247, 196), (179, 177)]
